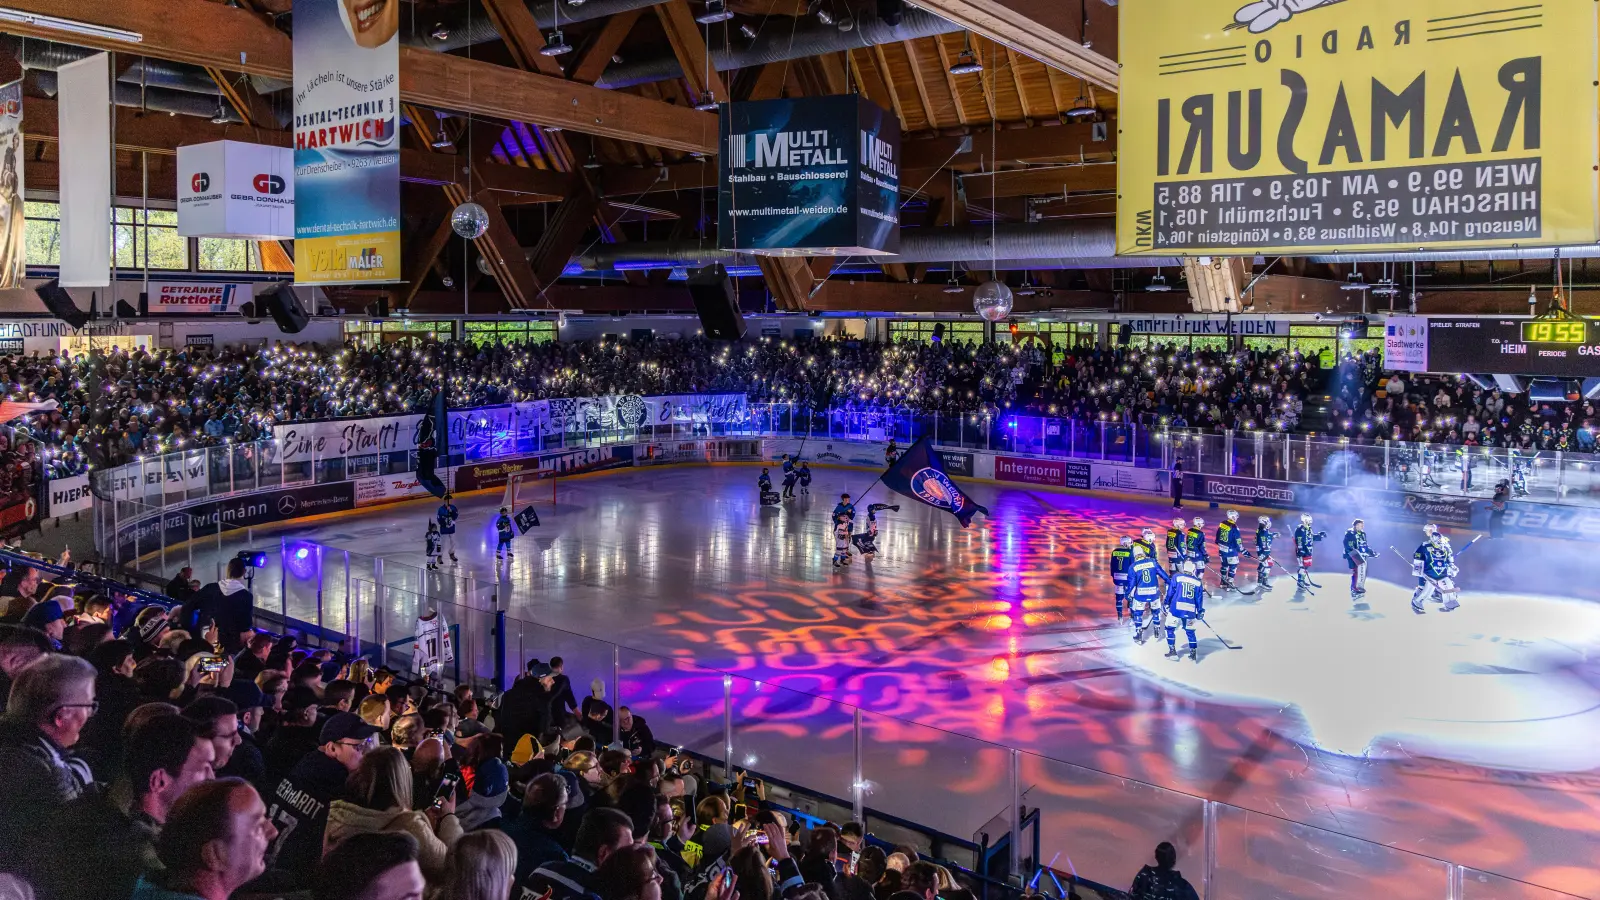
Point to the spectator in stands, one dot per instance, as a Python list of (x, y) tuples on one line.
[(379, 798), (248, 760), (339, 696), (117, 694), (47, 617), (563, 702), (228, 604), (218, 719), (482, 867), (537, 828), (603, 832), (634, 734), (922, 878), (178, 587), (252, 660), (50, 702), (375, 711), (215, 840), (407, 734), (372, 866), (166, 756), (1161, 881), (527, 707), (304, 795), (818, 867), (159, 677), (18, 647), (629, 873)]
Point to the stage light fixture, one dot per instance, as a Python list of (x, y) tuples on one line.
[(966, 64), (708, 103), (555, 45), (716, 11), (1082, 110), (1158, 284), (255, 559)]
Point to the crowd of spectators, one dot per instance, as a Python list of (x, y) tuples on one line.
[(164, 753), (117, 405)]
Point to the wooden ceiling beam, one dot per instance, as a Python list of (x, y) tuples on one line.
[(236, 39), (421, 256), (1042, 29), (522, 37), (597, 55), (910, 48), (683, 33), (241, 95)]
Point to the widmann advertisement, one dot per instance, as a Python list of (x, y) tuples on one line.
[(1276, 127), (346, 142)]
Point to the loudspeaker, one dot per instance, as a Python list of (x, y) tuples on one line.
[(712, 291), (1124, 334), (938, 332), (60, 303), (284, 306), (126, 310)]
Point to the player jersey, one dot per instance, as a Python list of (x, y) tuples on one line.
[(805, 474), (788, 466), (1121, 559), (1228, 538), (1355, 544), (433, 543), (447, 518), (844, 509), (1195, 543), (1304, 538), (1146, 576), (1264, 536), (1436, 561), (1175, 541), (841, 535), (1186, 596), (502, 527), (1149, 547), (764, 481)]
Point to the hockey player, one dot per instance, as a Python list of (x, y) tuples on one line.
[(1121, 559), (867, 541), (767, 496), (1230, 544), (503, 533), (1186, 602), (805, 477), (841, 540), (1434, 565), (447, 515), (1356, 554), (435, 545), (844, 508), (1175, 542), (1194, 546), (1147, 540), (789, 477), (1264, 560), (1304, 541), (1144, 590)]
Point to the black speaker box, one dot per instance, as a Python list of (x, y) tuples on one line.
[(60, 303), (1124, 334), (284, 306), (712, 291)]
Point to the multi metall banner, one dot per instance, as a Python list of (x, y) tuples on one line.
[(346, 141), (1280, 126), (819, 174)]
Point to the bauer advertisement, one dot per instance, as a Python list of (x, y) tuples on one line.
[(346, 141), (1279, 126)]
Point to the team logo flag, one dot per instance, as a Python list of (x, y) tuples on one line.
[(918, 475), (526, 519)]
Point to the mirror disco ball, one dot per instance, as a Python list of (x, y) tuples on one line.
[(470, 220), (992, 301)]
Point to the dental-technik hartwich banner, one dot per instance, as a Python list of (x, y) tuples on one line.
[(346, 141)]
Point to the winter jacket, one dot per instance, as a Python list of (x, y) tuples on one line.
[(346, 819), (1161, 884)]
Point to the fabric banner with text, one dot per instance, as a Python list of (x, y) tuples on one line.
[(13, 246)]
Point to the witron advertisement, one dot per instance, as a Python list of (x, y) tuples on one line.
[(346, 141), (1356, 125)]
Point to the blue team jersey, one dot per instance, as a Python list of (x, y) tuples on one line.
[(1304, 538), (805, 475), (1228, 538), (788, 466), (1149, 547), (1146, 575), (447, 518), (1194, 543), (1264, 536), (1436, 561), (1174, 540), (1355, 544), (1186, 596), (764, 480), (844, 509), (1121, 559), (502, 526)]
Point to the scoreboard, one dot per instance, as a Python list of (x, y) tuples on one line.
[(1560, 348)]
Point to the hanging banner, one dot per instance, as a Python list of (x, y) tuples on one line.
[(13, 246), (197, 297), (1279, 127), (303, 441), (820, 174), (84, 121), (346, 142), (235, 190)]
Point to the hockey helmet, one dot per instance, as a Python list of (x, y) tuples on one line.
[(1438, 540), (1188, 567), (1233, 515), (1265, 520), (1305, 518), (1127, 541), (1354, 523), (1430, 529), (1178, 524), (1148, 534), (1199, 522), (1139, 552)]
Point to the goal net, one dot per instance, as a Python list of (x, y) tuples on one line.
[(526, 489)]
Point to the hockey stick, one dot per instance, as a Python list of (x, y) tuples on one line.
[(1468, 546), (1220, 637)]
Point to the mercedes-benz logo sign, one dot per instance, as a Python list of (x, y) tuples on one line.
[(286, 504)]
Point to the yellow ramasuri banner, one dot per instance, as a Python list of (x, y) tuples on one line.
[(1284, 126)]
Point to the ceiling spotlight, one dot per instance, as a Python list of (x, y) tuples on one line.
[(593, 162), (1026, 289), (1082, 108), (708, 103), (966, 64), (616, 59), (1354, 282), (846, 23), (952, 286), (441, 31), (747, 31), (824, 16), (442, 142), (575, 3), (555, 44), (1158, 284), (716, 11), (1386, 288)]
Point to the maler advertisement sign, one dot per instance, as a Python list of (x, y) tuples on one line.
[(1277, 127)]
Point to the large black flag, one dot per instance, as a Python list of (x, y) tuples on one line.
[(918, 475)]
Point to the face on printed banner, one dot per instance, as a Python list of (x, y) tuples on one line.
[(347, 162), (1276, 127)]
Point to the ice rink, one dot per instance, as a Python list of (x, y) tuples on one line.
[(1471, 736)]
